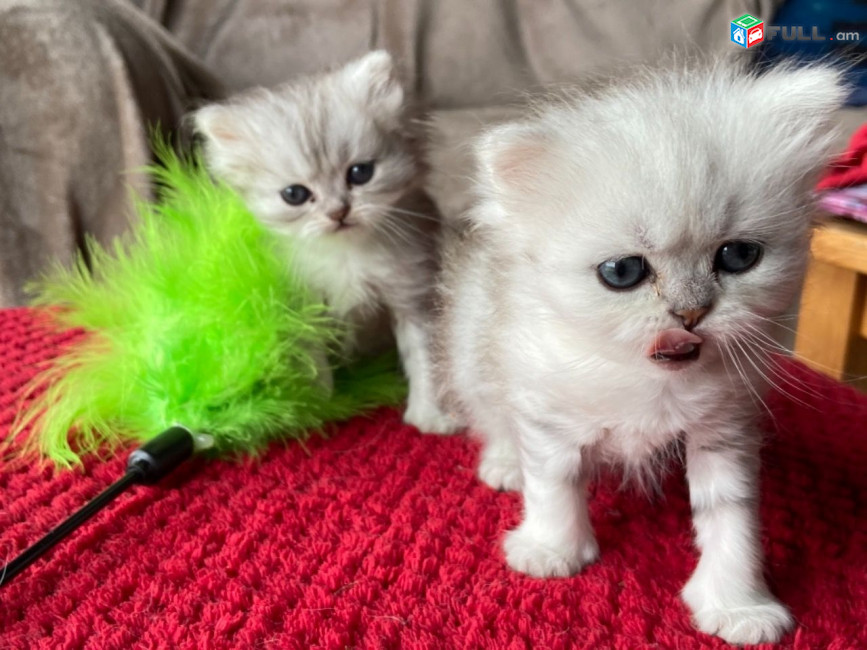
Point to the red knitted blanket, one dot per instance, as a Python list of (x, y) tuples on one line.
[(850, 167), (381, 537)]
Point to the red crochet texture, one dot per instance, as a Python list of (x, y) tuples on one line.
[(383, 538), (850, 167)]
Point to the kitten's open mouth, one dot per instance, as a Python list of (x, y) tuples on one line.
[(675, 347)]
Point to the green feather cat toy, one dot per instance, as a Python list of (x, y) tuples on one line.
[(193, 320)]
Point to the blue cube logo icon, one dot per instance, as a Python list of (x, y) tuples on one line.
[(739, 35), (747, 31)]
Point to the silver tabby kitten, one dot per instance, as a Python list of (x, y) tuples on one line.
[(330, 161), (613, 294)]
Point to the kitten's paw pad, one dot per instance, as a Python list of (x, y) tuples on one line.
[(430, 419), (763, 621), (501, 473), (528, 554)]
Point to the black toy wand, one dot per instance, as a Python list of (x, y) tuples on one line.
[(145, 466), (198, 316)]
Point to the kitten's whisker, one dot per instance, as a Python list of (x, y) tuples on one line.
[(388, 233), (407, 226), (723, 356), (393, 218), (768, 361), (773, 349), (773, 365), (849, 378), (795, 382), (743, 379), (754, 330), (777, 324), (776, 386), (405, 231), (789, 380), (394, 234), (748, 383), (403, 211)]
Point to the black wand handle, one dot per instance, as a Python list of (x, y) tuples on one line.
[(147, 464)]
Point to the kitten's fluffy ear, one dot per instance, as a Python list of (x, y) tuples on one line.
[(509, 154), (216, 123), (375, 75), (225, 131), (806, 93), (512, 160), (792, 108)]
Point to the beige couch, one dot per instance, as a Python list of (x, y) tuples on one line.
[(80, 79)]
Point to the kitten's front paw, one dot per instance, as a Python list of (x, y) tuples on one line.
[(430, 419), (501, 472), (759, 620), (526, 553)]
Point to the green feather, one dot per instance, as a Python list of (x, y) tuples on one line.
[(194, 318)]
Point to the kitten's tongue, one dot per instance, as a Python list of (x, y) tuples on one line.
[(674, 343)]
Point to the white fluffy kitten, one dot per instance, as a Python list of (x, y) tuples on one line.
[(331, 162), (612, 295)]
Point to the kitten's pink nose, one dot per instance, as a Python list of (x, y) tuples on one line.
[(691, 317), (339, 214)]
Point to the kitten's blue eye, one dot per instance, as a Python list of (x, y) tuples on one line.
[(295, 194), (624, 273), (737, 256), (360, 173)]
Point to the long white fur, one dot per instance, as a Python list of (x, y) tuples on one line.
[(551, 368), (309, 132)]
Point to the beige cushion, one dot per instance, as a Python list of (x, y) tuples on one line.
[(79, 80), (455, 53)]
